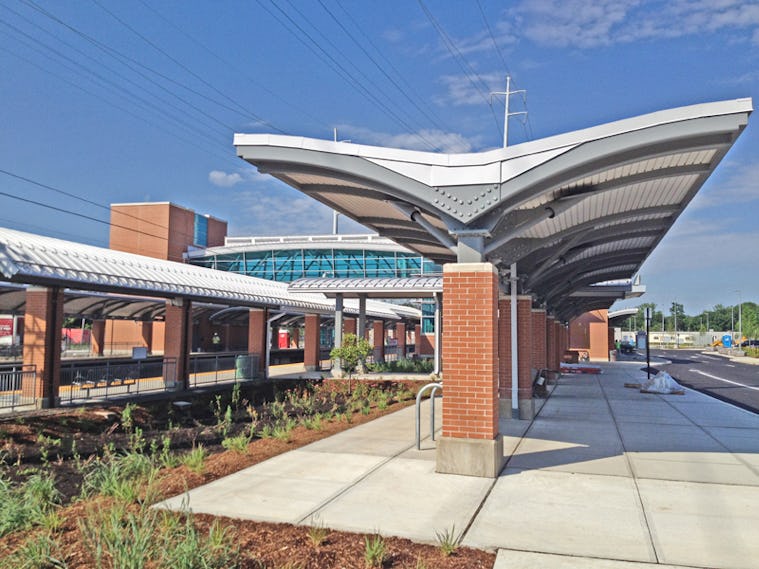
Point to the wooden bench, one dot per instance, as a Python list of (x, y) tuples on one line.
[(89, 384)]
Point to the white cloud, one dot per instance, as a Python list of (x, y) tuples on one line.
[(450, 142), (739, 186), (224, 180), (460, 91), (284, 211), (582, 24), (230, 179)]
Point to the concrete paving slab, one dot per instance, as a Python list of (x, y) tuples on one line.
[(736, 439), (711, 414), (509, 559), (308, 464), (713, 468), (638, 437), (407, 498), (362, 445), (261, 498), (526, 507), (708, 525)]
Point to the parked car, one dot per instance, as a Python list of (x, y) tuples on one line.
[(750, 343), (627, 347)]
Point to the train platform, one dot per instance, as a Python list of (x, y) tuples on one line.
[(604, 477)]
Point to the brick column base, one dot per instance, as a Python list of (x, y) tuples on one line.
[(471, 444), (311, 343)]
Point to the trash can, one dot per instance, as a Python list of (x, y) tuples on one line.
[(246, 366), (612, 355)]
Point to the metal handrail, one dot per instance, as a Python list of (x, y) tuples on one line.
[(434, 386)]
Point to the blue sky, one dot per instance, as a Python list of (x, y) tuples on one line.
[(137, 100)]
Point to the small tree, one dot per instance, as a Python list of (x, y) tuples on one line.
[(352, 353)]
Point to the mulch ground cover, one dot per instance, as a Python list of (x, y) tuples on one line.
[(61, 440)]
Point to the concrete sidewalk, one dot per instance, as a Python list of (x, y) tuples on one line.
[(605, 477)]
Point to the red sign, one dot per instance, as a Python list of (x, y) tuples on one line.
[(6, 327)]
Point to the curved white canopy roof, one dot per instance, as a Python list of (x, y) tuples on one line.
[(33, 259), (572, 210)]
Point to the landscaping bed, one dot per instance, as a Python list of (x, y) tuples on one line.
[(77, 484)]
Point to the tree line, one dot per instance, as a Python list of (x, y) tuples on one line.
[(720, 319)]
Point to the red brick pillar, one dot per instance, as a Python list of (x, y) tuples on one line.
[(146, 333), (311, 343), (400, 332), (42, 345), (177, 341), (97, 342), (611, 345), (539, 352), (551, 362), (378, 330), (257, 336), (417, 340), (470, 444), (524, 335), (349, 326)]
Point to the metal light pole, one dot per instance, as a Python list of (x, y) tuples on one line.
[(740, 320), (648, 344), (674, 305)]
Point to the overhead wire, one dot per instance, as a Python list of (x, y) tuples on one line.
[(238, 70), (106, 83), (82, 215), (380, 67), (508, 71), (367, 38), (470, 74), (336, 66), (239, 107)]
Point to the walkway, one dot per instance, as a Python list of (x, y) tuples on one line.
[(604, 472)]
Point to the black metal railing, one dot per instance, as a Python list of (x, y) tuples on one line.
[(17, 386)]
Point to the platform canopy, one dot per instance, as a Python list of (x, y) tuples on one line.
[(103, 283), (572, 210)]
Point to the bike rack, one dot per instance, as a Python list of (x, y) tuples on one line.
[(434, 387)]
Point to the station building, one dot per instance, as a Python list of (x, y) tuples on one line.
[(529, 237)]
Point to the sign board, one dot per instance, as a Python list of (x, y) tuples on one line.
[(727, 341)]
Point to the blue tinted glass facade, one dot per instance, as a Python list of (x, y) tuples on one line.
[(286, 265), (200, 232)]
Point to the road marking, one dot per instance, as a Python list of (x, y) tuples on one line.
[(725, 380), (729, 365)]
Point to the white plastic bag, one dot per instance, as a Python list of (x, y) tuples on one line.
[(662, 382)]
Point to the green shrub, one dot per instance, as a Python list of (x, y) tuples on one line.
[(41, 551), (237, 444), (448, 540), (27, 504), (352, 353), (184, 547), (375, 551), (195, 459), (120, 476), (119, 538)]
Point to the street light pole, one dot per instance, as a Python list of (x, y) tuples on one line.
[(740, 319), (648, 344)]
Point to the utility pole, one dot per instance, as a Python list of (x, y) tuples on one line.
[(507, 94)]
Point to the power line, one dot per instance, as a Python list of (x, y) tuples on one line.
[(320, 52), (379, 67), (235, 68), (240, 107), (79, 214), (367, 38), (461, 60), (526, 122), (119, 90)]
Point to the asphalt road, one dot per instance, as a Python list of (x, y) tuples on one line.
[(714, 375)]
